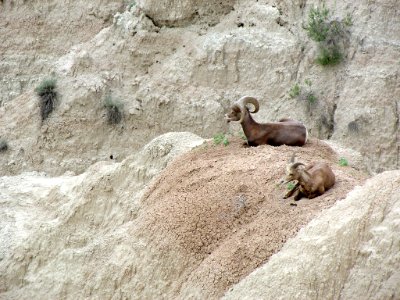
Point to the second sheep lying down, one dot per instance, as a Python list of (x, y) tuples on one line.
[(312, 180)]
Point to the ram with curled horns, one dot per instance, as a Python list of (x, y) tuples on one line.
[(285, 132)]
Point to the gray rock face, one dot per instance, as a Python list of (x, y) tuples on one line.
[(180, 13), (36, 33), (178, 65), (55, 231)]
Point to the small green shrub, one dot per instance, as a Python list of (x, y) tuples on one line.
[(220, 138), (3, 145), (343, 162), (318, 27), (329, 56), (295, 91), (114, 110), (348, 20), (329, 34), (311, 98), (290, 186), (47, 97), (303, 92)]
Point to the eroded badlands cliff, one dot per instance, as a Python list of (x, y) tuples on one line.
[(180, 67), (131, 210)]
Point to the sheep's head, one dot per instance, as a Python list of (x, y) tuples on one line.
[(293, 170), (239, 109)]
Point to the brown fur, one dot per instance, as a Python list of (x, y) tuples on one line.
[(285, 132), (313, 179)]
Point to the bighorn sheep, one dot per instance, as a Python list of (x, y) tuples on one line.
[(285, 132), (312, 180)]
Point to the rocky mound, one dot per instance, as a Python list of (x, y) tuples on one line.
[(220, 212), (210, 218)]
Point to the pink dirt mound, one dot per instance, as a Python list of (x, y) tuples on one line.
[(221, 209)]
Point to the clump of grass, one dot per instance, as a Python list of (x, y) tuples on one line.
[(295, 91), (348, 20), (131, 4), (114, 110), (311, 98), (220, 138), (47, 97), (3, 145), (329, 56), (343, 162), (328, 34), (290, 186), (303, 92), (318, 26)]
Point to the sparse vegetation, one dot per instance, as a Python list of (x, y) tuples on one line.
[(318, 26), (295, 91), (343, 162), (220, 138), (130, 4), (114, 110), (303, 92), (329, 34), (353, 126), (3, 145), (47, 97), (348, 20), (290, 186), (329, 56), (311, 98)]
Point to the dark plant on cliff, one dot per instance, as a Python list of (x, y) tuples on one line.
[(329, 34), (114, 110), (47, 97), (3, 145), (304, 92)]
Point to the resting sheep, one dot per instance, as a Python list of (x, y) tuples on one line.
[(285, 132), (312, 180)]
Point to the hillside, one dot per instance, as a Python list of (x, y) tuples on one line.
[(209, 219), (180, 68), (120, 192)]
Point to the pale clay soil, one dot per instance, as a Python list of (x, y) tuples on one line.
[(222, 210)]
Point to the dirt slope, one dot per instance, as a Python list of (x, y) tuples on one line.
[(350, 251), (209, 219), (219, 209)]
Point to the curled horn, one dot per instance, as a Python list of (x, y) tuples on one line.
[(242, 102), (295, 165), (293, 158)]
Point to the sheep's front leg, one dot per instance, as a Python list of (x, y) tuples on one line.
[(299, 195), (316, 193), (291, 192)]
